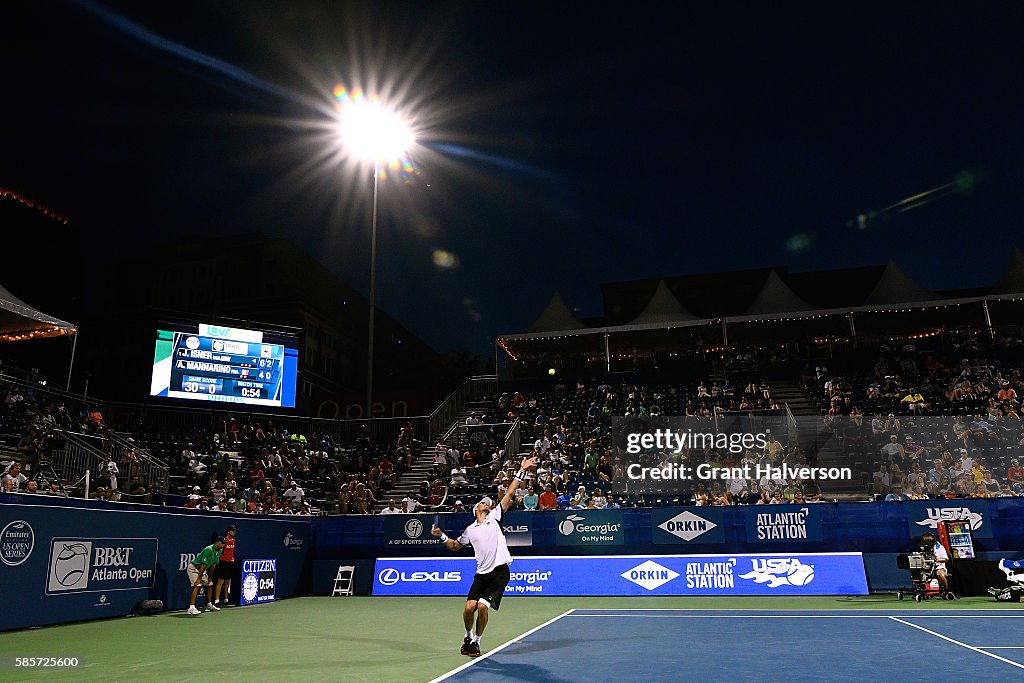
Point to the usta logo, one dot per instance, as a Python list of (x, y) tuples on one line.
[(936, 515), (782, 571)]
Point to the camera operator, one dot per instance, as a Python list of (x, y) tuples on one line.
[(929, 545)]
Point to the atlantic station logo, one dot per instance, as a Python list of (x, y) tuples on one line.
[(782, 526), (93, 565)]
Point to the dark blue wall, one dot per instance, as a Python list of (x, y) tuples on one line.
[(129, 539)]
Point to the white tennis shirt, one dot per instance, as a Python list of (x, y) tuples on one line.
[(488, 542)]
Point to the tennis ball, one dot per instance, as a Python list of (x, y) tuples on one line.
[(551, 371)]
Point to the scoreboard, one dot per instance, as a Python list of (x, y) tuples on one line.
[(216, 363)]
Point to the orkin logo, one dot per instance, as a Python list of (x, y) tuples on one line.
[(413, 528), (780, 571), (687, 526), (649, 575), (391, 576), (936, 515)]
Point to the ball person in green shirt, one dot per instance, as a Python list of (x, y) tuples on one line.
[(199, 571)]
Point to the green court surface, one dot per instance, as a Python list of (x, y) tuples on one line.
[(351, 638)]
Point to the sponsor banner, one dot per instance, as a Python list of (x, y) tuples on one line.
[(762, 574), (589, 527), (411, 530), (518, 528), (925, 515), (94, 565), (688, 526), (784, 523), (65, 570), (259, 578), (481, 436)]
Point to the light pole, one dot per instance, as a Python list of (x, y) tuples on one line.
[(373, 293), (372, 132)]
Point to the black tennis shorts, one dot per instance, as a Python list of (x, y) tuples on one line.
[(225, 570), (490, 586)]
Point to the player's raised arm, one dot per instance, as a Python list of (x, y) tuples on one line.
[(506, 500), (449, 543)]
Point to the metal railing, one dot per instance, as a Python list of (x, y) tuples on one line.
[(136, 461), (473, 389), (76, 457), (512, 440)]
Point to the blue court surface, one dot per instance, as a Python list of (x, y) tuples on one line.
[(748, 645)]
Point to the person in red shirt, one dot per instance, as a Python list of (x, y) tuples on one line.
[(548, 499), (225, 569), (1007, 393), (387, 471), (1015, 475), (256, 475)]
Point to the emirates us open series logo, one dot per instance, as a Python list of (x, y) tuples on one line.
[(16, 542)]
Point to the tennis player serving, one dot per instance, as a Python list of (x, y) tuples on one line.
[(492, 560)]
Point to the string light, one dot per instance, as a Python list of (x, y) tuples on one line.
[(11, 194), (23, 335), (504, 347)]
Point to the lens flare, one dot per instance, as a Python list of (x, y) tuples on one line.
[(372, 131)]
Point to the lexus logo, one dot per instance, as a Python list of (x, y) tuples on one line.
[(389, 576)]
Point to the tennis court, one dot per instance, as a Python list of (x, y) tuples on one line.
[(383, 639), (660, 645)]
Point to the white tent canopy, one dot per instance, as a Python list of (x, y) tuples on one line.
[(663, 307), (556, 317), (17, 317)]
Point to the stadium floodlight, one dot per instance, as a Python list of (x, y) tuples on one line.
[(371, 131)]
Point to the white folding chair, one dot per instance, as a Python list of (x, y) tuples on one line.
[(344, 581)]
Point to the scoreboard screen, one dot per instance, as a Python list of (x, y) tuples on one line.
[(202, 362)]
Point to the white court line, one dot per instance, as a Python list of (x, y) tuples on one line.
[(500, 647), (957, 642), (793, 616), (749, 609), (1002, 647)]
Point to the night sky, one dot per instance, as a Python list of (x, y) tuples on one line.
[(562, 144)]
